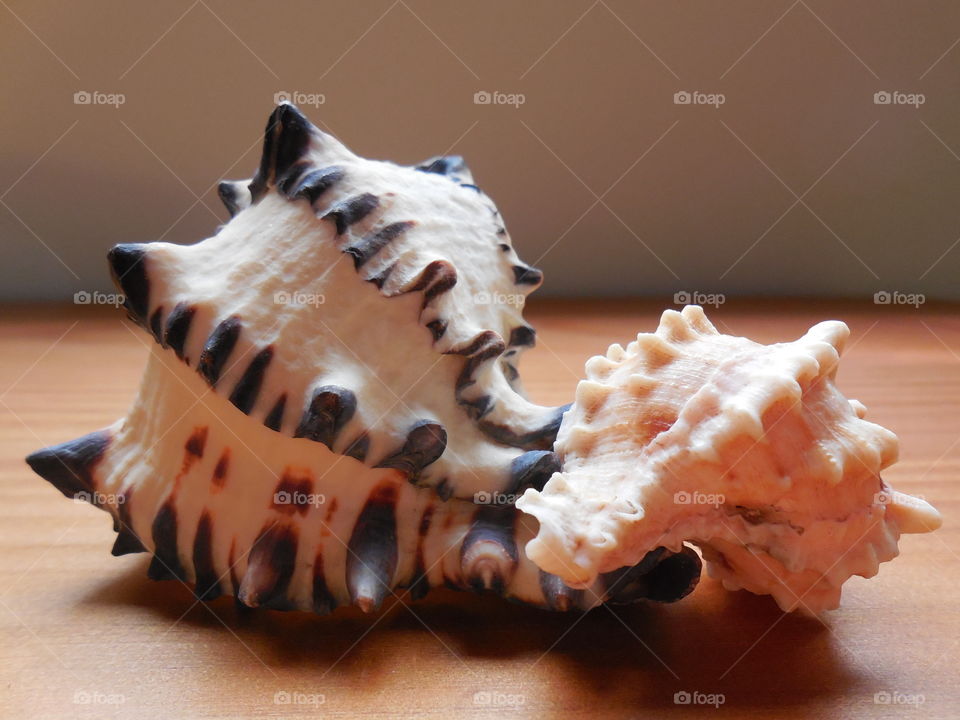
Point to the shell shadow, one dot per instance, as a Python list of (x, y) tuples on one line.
[(623, 658)]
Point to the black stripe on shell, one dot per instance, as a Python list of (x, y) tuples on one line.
[(274, 418), (230, 194), (156, 324), (314, 183), (488, 556), (218, 348), (522, 336), (247, 389), (127, 541), (286, 139), (178, 326), (166, 555), (128, 266), (330, 408), (364, 249), (425, 442), (558, 595), (532, 469), (207, 584), (524, 275), (437, 328), (372, 550), (436, 278), (270, 567), (661, 576), (450, 165), (539, 438), (351, 211)]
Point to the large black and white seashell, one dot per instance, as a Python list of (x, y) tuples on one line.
[(331, 406)]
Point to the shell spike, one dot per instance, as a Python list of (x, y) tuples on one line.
[(488, 556), (372, 551), (912, 514), (698, 320), (235, 195), (69, 466), (270, 567)]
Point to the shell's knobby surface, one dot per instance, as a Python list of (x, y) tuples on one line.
[(749, 451), (333, 383), (284, 312)]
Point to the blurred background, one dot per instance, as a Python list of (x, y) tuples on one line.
[(686, 150)]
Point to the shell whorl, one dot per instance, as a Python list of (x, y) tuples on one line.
[(270, 313), (747, 450), (284, 525)]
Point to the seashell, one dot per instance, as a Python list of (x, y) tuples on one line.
[(331, 390), (748, 451)]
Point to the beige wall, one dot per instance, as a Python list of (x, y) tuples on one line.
[(599, 82)]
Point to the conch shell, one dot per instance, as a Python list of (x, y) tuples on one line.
[(748, 451), (332, 409)]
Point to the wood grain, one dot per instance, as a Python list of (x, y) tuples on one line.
[(79, 625)]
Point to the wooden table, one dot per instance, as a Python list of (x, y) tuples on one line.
[(87, 635)]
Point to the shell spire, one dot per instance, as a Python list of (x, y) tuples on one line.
[(748, 451)]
